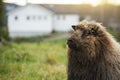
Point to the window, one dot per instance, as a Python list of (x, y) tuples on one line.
[(28, 18), (39, 17), (16, 18), (45, 17), (58, 17), (64, 17), (34, 17)]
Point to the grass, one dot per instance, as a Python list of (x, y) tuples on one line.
[(33, 61)]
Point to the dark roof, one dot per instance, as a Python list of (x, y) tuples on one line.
[(10, 6), (68, 8)]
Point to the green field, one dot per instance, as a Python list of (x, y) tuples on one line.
[(33, 61)]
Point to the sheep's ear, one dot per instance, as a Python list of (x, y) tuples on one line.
[(74, 27)]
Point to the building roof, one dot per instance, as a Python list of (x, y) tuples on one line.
[(23, 7), (68, 8), (63, 8), (10, 6)]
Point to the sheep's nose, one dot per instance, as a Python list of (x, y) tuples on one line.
[(71, 43), (70, 40)]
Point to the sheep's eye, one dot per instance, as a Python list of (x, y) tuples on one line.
[(92, 31)]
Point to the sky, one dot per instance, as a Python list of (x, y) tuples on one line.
[(92, 2)]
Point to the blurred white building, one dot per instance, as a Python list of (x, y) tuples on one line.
[(35, 20)]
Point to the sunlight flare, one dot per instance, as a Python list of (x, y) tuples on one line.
[(92, 2), (23, 2)]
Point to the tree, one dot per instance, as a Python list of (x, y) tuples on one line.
[(3, 25)]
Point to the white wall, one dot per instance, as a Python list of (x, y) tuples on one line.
[(40, 21), (63, 22)]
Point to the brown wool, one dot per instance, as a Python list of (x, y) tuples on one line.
[(93, 54)]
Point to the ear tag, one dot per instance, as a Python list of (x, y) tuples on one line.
[(92, 31)]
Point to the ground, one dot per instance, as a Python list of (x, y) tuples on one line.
[(44, 60)]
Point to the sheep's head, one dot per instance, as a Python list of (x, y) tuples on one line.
[(87, 37)]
